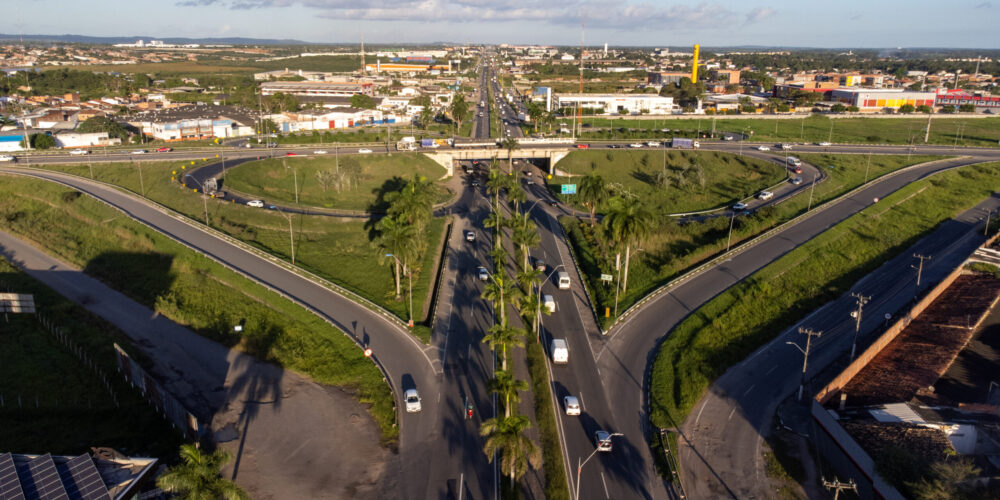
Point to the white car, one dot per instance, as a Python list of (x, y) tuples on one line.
[(763, 148), (572, 405), (79, 152), (6, 158), (635, 145), (319, 152), (364, 151), (786, 146), (470, 236), (653, 144), (765, 195), (255, 203), (412, 400), (139, 152), (739, 207), (483, 273), (823, 144)]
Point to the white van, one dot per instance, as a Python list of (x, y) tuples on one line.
[(564, 282), (549, 303), (793, 161), (560, 351)]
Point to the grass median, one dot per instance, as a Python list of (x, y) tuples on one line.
[(673, 248), (190, 289), (53, 401), (337, 249), (728, 328), (552, 458)]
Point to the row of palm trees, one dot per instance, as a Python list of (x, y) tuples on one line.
[(505, 435), (401, 232)]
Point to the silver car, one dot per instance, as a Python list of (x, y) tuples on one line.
[(412, 400)]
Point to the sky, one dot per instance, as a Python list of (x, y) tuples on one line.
[(799, 23)]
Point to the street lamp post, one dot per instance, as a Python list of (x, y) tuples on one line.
[(409, 279), (862, 300), (809, 333), (579, 466)]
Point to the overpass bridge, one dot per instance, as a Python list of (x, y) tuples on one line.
[(446, 157)]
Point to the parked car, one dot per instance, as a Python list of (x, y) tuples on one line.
[(739, 207), (470, 236), (255, 203), (603, 441), (364, 151), (763, 148), (412, 400), (164, 150), (79, 152), (765, 195), (572, 405)]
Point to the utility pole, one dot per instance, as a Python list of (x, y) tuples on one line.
[(729, 240), (836, 484), (920, 267), (809, 333), (927, 134), (986, 229), (862, 300), (868, 166), (811, 190)]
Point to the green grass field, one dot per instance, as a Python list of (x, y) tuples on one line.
[(275, 179), (945, 131), (189, 288), (727, 177), (749, 314), (180, 67), (673, 248), (74, 408), (337, 249)]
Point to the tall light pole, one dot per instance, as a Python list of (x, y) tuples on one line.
[(409, 279), (579, 466), (868, 166), (809, 333), (729, 240), (812, 189), (920, 267), (862, 300)]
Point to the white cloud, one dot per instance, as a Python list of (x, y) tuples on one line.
[(759, 14)]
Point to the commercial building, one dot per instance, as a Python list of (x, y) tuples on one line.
[(959, 97), (380, 67), (333, 118), (312, 76), (667, 77), (622, 104), (318, 89), (196, 122), (881, 99)]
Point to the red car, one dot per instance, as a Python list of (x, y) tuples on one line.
[(290, 154), (583, 146), (164, 150), (798, 170)]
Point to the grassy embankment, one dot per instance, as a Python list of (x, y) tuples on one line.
[(340, 250), (190, 289), (64, 405), (817, 128), (274, 179), (749, 314), (673, 248)]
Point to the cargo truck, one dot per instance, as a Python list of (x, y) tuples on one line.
[(680, 142), (428, 143)]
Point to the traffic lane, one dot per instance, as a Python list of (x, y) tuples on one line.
[(403, 358)]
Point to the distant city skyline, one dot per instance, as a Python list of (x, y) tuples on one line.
[(848, 23)]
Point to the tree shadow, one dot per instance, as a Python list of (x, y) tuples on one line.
[(378, 207), (143, 276)]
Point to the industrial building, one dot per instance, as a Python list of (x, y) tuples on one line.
[(380, 67), (881, 99), (312, 76), (959, 97), (318, 89), (622, 104), (195, 122), (666, 77)]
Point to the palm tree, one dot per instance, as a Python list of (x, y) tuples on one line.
[(506, 435), (515, 193), (413, 203), (501, 291), (496, 182), (510, 144), (398, 238), (198, 476), (628, 223), (525, 236), (508, 387), (504, 336), (593, 192)]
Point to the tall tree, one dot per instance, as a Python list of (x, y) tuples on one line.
[(505, 435), (459, 109), (593, 192), (628, 223), (197, 477), (510, 144), (508, 387), (525, 236), (504, 336), (399, 238)]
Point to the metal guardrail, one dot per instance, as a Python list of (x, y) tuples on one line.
[(671, 460)]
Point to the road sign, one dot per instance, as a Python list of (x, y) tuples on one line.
[(368, 353), (569, 189), (606, 277)]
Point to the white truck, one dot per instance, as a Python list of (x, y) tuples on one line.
[(560, 351), (408, 143)]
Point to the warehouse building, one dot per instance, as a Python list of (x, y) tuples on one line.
[(196, 122), (881, 99), (621, 104), (318, 89)]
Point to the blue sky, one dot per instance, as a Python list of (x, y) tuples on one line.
[(839, 23)]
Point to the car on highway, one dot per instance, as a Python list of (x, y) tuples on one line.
[(740, 206), (635, 145), (470, 236), (319, 152), (139, 152), (549, 303), (164, 150), (823, 144), (255, 203), (797, 169), (364, 151), (763, 148), (796, 180), (653, 144), (79, 152), (291, 153), (475, 183), (483, 273), (540, 265), (615, 146), (602, 439), (563, 280), (572, 405), (765, 195), (412, 400), (785, 147), (8, 158), (583, 146)]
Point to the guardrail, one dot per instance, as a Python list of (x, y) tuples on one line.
[(761, 238)]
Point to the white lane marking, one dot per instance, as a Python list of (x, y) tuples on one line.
[(703, 405), (468, 355), (582, 405), (447, 335), (606, 494), (775, 367), (749, 389), (731, 414)]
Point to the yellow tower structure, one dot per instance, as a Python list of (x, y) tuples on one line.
[(694, 65)]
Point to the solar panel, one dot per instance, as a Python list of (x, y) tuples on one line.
[(10, 485), (81, 479), (42, 480)]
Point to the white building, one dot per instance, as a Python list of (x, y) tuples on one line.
[(621, 104), (73, 139)]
